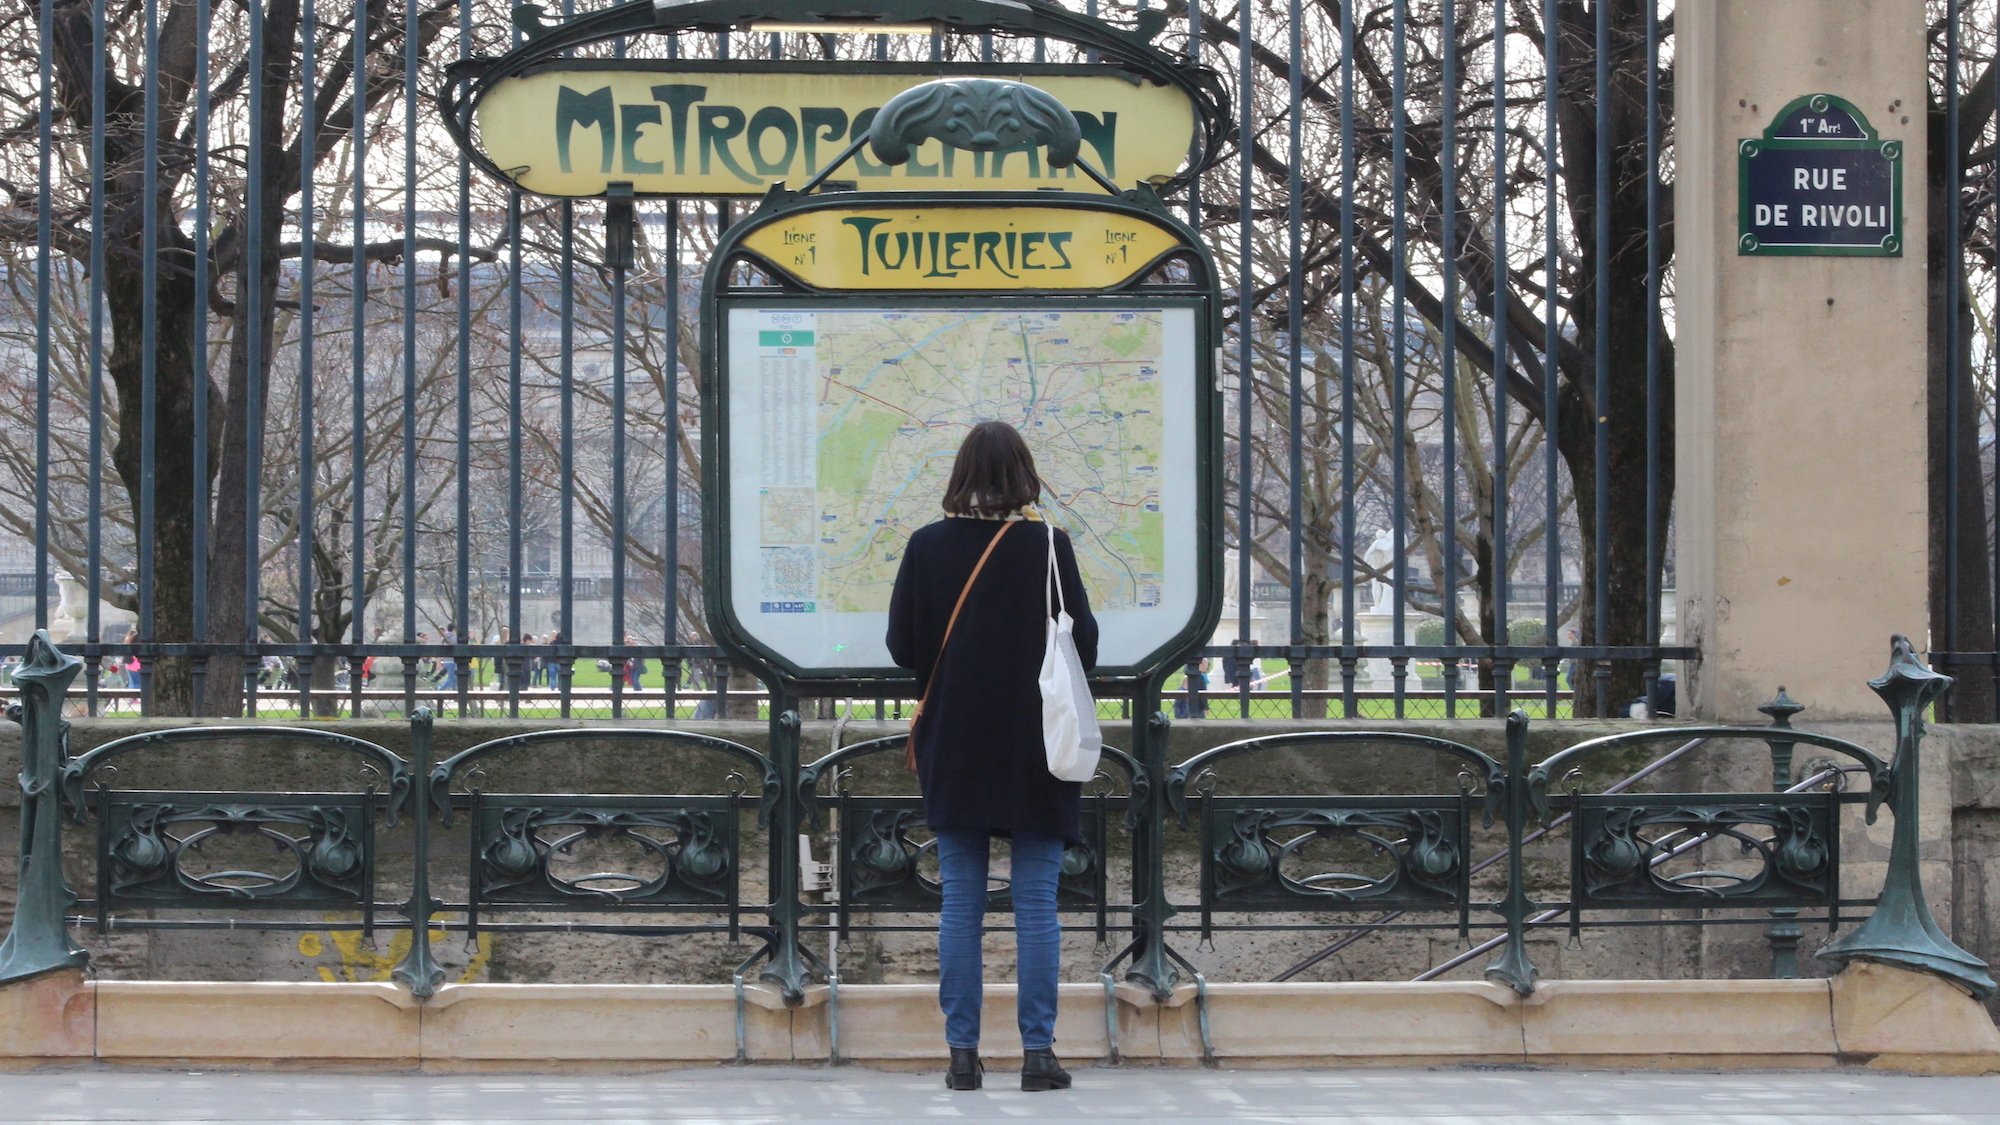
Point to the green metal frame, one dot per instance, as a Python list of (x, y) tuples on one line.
[(734, 634), (1424, 837), (694, 837), (1246, 843), (143, 836), (720, 299), (1615, 842)]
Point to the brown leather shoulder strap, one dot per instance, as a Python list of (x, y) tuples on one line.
[(960, 604)]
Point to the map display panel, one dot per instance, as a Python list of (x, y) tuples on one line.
[(843, 421)]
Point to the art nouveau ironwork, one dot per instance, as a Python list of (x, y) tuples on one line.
[(1308, 861)]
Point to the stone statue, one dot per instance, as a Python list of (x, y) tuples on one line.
[(73, 610), (1381, 556)]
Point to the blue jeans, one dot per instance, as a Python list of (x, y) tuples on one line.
[(962, 855)]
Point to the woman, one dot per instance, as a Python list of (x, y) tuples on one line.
[(978, 745)]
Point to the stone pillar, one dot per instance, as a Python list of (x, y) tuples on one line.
[(1800, 502)]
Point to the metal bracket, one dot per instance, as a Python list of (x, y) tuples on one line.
[(1111, 1015), (618, 227), (1201, 1019), (742, 1022), (833, 1019)]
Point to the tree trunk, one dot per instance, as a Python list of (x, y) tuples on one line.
[(740, 678), (175, 320), (234, 548), (1623, 286), (1316, 593), (1626, 565), (1483, 583), (175, 490)]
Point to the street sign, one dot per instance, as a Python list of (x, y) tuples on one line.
[(1820, 182), (950, 247), (706, 128)]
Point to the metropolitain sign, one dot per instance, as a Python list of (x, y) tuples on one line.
[(733, 129)]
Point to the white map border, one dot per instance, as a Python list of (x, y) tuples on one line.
[(852, 643)]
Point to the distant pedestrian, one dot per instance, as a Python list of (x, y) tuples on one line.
[(702, 679), (132, 659), (1193, 703), (552, 664), (448, 667), (635, 667), (514, 668)]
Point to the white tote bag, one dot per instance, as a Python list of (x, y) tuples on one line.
[(1069, 714)]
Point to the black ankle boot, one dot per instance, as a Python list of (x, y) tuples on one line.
[(1041, 1071), (966, 1071)]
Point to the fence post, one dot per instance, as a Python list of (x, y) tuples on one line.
[(418, 971), (1901, 931), (790, 967), (1784, 933), (37, 941), (1512, 968), (1152, 962)]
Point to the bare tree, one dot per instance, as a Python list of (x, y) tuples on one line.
[(254, 124), (1487, 190)]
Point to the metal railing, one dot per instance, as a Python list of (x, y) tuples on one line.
[(755, 703), (721, 854)]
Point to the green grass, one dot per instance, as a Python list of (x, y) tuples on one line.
[(647, 705)]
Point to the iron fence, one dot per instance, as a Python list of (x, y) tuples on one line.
[(1264, 836), (295, 384), (1963, 180)]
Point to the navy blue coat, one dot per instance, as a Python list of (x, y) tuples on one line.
[(980, 759)]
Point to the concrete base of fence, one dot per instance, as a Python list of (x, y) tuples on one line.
[(1868, 1015)]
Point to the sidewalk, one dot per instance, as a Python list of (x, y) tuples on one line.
[(770, 1093)]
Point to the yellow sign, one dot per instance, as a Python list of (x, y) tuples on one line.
[(686, 131), (945, 248)]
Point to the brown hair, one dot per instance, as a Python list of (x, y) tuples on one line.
[(994, 473)]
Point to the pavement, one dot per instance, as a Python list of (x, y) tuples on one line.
[(1489, 1096)]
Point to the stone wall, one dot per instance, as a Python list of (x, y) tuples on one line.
[(1961, 829), (1973, 753)]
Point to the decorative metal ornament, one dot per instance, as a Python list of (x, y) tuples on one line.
[(37, 940), (978, 115), (1902, 931), (1259, 855)]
